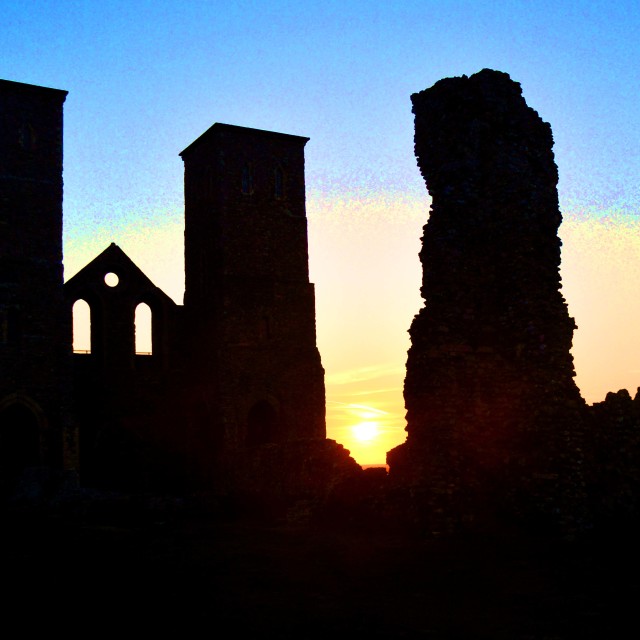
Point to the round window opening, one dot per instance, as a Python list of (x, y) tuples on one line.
[(111, 279)]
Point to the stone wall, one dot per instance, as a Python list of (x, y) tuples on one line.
[(127, 405), (36, 428), (495, 420), (613, 463), (254, 368)]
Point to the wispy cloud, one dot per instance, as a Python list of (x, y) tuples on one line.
[(358, 407), (363, 374), (374, 391)]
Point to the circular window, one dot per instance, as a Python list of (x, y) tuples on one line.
[(111, 279)]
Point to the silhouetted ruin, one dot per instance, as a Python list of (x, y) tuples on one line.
[(128, 408), (612, 467), (35, 323), (495, 420), (231, 396)]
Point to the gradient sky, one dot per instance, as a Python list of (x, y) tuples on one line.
[(147, 78)]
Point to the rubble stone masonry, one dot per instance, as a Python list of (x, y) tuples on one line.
[(495, 419)]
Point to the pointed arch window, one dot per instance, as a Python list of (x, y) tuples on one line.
[(81, 327), (143, 330), (27, 138), (247, 179), (278, 184)]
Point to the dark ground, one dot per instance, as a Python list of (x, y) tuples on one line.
[(148, 571)]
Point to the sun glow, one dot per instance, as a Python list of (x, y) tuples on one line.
[(369, 427), (365, 431)]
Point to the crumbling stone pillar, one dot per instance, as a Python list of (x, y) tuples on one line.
[(494, 416)]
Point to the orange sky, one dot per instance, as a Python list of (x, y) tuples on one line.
[(145, 80), (364, 263)]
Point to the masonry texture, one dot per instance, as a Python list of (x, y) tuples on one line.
[(35, 323), (495, 419), (234, 383), (127, 406), (254, 369), (613, 463), (230, 397)]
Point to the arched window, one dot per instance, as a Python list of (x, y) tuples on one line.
[(27, 137), (247, 179), (144, 334), (278, 185), (81, 327), (262, 424), (210, 180)]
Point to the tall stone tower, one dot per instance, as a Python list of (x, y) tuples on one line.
[(494, 416), (254, 371), (35, 327)]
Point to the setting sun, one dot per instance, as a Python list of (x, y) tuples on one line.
[(369, 428), (365, 431)]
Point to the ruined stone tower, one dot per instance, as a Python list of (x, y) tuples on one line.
[(494, 416), (255, 375), (229, 395), (35, 329)]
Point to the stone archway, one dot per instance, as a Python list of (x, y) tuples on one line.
[(262, 424)]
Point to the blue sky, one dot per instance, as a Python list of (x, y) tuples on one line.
[(146, 78)]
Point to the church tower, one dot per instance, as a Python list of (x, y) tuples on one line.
[(35, 327), (255, 375)]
